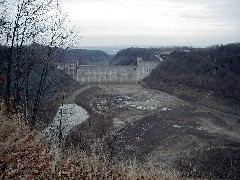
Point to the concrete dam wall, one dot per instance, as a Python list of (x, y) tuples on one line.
[(109, 73)]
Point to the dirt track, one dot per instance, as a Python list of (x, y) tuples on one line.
[(159, 128)]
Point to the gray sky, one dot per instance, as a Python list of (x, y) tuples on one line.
[(155, 22)]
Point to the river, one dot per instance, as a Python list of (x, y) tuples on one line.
[(69, 115)]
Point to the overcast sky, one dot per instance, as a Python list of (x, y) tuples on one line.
[(155, 22)]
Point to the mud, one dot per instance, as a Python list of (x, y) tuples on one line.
[(156, 127)]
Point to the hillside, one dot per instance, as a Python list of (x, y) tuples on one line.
[(83, 56), (24, 154), (129, 56), (27, 72), (200, 73)]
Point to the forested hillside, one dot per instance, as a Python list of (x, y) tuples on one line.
[(28, 92), (215, 70), (83, 56), (129, 56)]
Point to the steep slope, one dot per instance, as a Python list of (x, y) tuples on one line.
[(26, 74), (24, 154), (197, 74)]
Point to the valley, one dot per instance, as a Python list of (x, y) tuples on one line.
[(111, 90), (163, 130)]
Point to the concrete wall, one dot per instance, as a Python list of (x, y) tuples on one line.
[(109, 73), (145, 68)]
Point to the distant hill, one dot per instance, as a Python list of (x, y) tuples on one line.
[(215, 69), (83, 56), (129, 56)]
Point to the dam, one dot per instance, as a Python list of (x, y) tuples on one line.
[(126, 74)]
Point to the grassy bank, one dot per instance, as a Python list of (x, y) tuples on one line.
[(24, 154)]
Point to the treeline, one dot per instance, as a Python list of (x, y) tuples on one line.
[(129, 56), (83, 56), (33, 88), (30, 34), (216, 69)]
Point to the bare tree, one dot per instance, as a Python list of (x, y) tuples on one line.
[(32, 22)]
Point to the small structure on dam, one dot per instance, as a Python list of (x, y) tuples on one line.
[(109, 73)]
